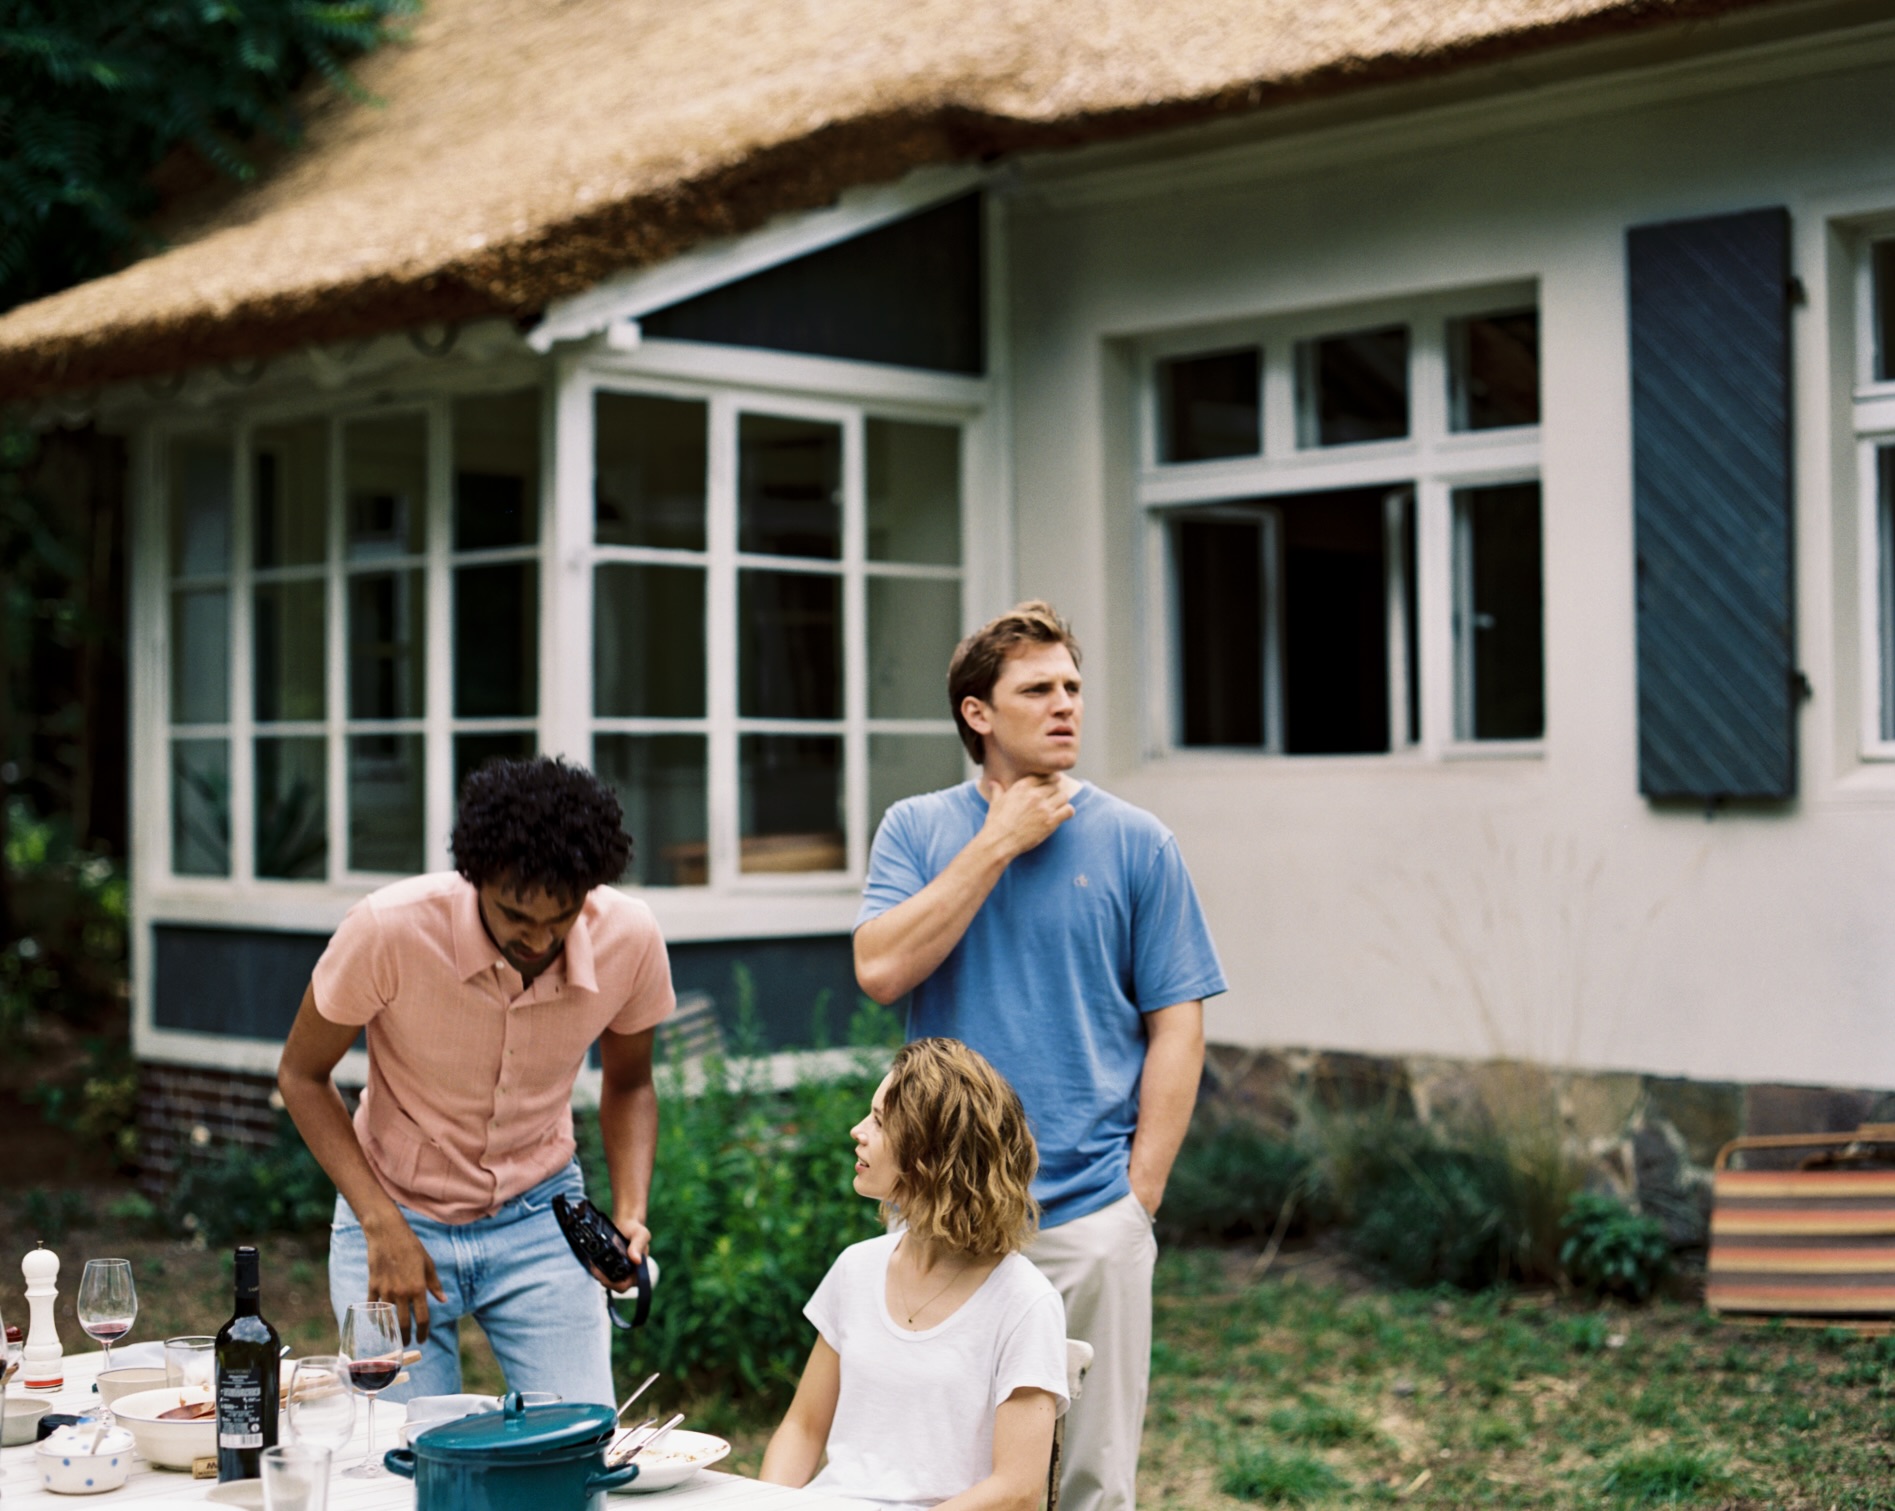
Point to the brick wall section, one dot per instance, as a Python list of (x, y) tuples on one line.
[(188, 1108)]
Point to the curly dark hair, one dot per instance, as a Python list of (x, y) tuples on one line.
[(540, 825)]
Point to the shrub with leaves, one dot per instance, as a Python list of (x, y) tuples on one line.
[(1611, 1250), (99, 94), (1234, 1179), (752, 1199), (238, 1192)]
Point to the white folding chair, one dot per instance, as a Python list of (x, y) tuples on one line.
[(1078, 1361)]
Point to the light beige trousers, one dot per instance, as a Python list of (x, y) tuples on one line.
[(1102, 1266)]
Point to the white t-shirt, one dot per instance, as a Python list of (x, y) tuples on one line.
[(914, 1421)]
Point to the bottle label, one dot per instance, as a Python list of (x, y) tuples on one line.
[(240, 1408)]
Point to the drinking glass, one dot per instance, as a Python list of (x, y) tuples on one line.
[(107, 1302), (321, 1409), (190, 1359), (371, 1346), (295, 1478)]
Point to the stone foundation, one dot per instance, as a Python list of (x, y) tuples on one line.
[(1650, 1139)]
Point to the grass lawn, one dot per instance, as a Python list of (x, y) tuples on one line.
[(1313, 1387)]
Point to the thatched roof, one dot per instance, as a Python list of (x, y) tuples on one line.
[(528, 148)]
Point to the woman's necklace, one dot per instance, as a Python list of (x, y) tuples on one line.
[(914, 1312)]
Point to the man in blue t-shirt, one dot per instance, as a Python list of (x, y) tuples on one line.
[(1055, 929)]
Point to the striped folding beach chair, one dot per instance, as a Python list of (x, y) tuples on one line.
[(1812, 1241)]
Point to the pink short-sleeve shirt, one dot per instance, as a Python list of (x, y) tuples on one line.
[(469, 1095)]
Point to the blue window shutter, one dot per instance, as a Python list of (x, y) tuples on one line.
[(1717, 684)]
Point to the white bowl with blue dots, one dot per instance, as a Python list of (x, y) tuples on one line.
[(70, 1463)]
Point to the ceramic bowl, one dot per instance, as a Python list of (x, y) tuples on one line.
[(115, 1384), (169, 1445), (431, 1411), (22, 1420), (70, 1462), (678, 1458)]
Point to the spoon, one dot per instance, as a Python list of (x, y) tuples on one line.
[(637, 1393), (641, 1446)]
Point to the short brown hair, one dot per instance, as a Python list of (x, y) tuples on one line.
[(959, 1136), (975, 666)]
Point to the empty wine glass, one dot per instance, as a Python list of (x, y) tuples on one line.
[(107, 1303), (321, 1409), (371, 1346)]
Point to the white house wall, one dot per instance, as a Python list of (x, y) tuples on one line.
[(1492, 906)]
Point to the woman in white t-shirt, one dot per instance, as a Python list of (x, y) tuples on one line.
[(940, 1357)]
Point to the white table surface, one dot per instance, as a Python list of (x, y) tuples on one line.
[(20, 1485)]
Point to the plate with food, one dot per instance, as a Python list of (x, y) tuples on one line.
[(679, 1456)]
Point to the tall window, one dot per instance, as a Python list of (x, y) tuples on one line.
[(776, 590), (1349, 511), (308, 680), (1875, 434)]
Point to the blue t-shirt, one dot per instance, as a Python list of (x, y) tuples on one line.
[(1081, 937)]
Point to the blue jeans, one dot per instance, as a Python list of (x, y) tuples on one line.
[(514, 1274)]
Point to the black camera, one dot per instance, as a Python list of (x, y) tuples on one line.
[(598, 1245)]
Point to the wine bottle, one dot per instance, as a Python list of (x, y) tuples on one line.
[(247, 1351)]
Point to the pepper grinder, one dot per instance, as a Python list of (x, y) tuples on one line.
[(42, 1362)]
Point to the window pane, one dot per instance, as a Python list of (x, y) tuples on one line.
[(913, 629), (661, 780), (1335, 662), (789, 486), (496, 471), (1884, 274), (1501, 616), (385, 480), (914, 492), (1355, 387), (200, 807), (1885, 472), (387, 645), (293, 808), (648, 642), (288, 639), (497, 640), (386, 806), (200, 508), (471, 752), (1220, 597), (651, 459), (1210, 406), (902, 765), (790, 645), (200, 657), (1495, 378), (292, 494), (792, 803)]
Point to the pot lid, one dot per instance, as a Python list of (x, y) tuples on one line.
[(520, 1430)]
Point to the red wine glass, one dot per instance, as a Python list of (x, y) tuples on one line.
[(371, 1345), (107, 1303)]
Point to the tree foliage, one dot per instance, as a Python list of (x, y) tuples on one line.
[(95, 94)]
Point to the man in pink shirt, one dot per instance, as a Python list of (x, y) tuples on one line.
[(481, 990)]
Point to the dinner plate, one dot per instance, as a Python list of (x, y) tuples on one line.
[(677, 1459)]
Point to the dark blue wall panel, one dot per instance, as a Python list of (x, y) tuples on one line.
[(907, 294), (244, 982), (1709, 311)]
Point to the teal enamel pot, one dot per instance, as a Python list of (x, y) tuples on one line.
[(522, 1458)]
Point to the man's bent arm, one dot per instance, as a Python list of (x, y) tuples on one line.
[(399, 1269), (898, 950), (1167, 1092), (628, 1122)]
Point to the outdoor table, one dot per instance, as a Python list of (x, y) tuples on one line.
[(174, 1489)]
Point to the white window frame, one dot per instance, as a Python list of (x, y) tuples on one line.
[(1872, 421), (732, 382), (1433, 460)]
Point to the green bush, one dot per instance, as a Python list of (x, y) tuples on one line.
[(751, 1202), (1234, 1180), (67, 959), (238, 1192), (1611, 1250)]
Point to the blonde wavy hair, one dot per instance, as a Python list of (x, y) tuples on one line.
[(959, 1136)]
